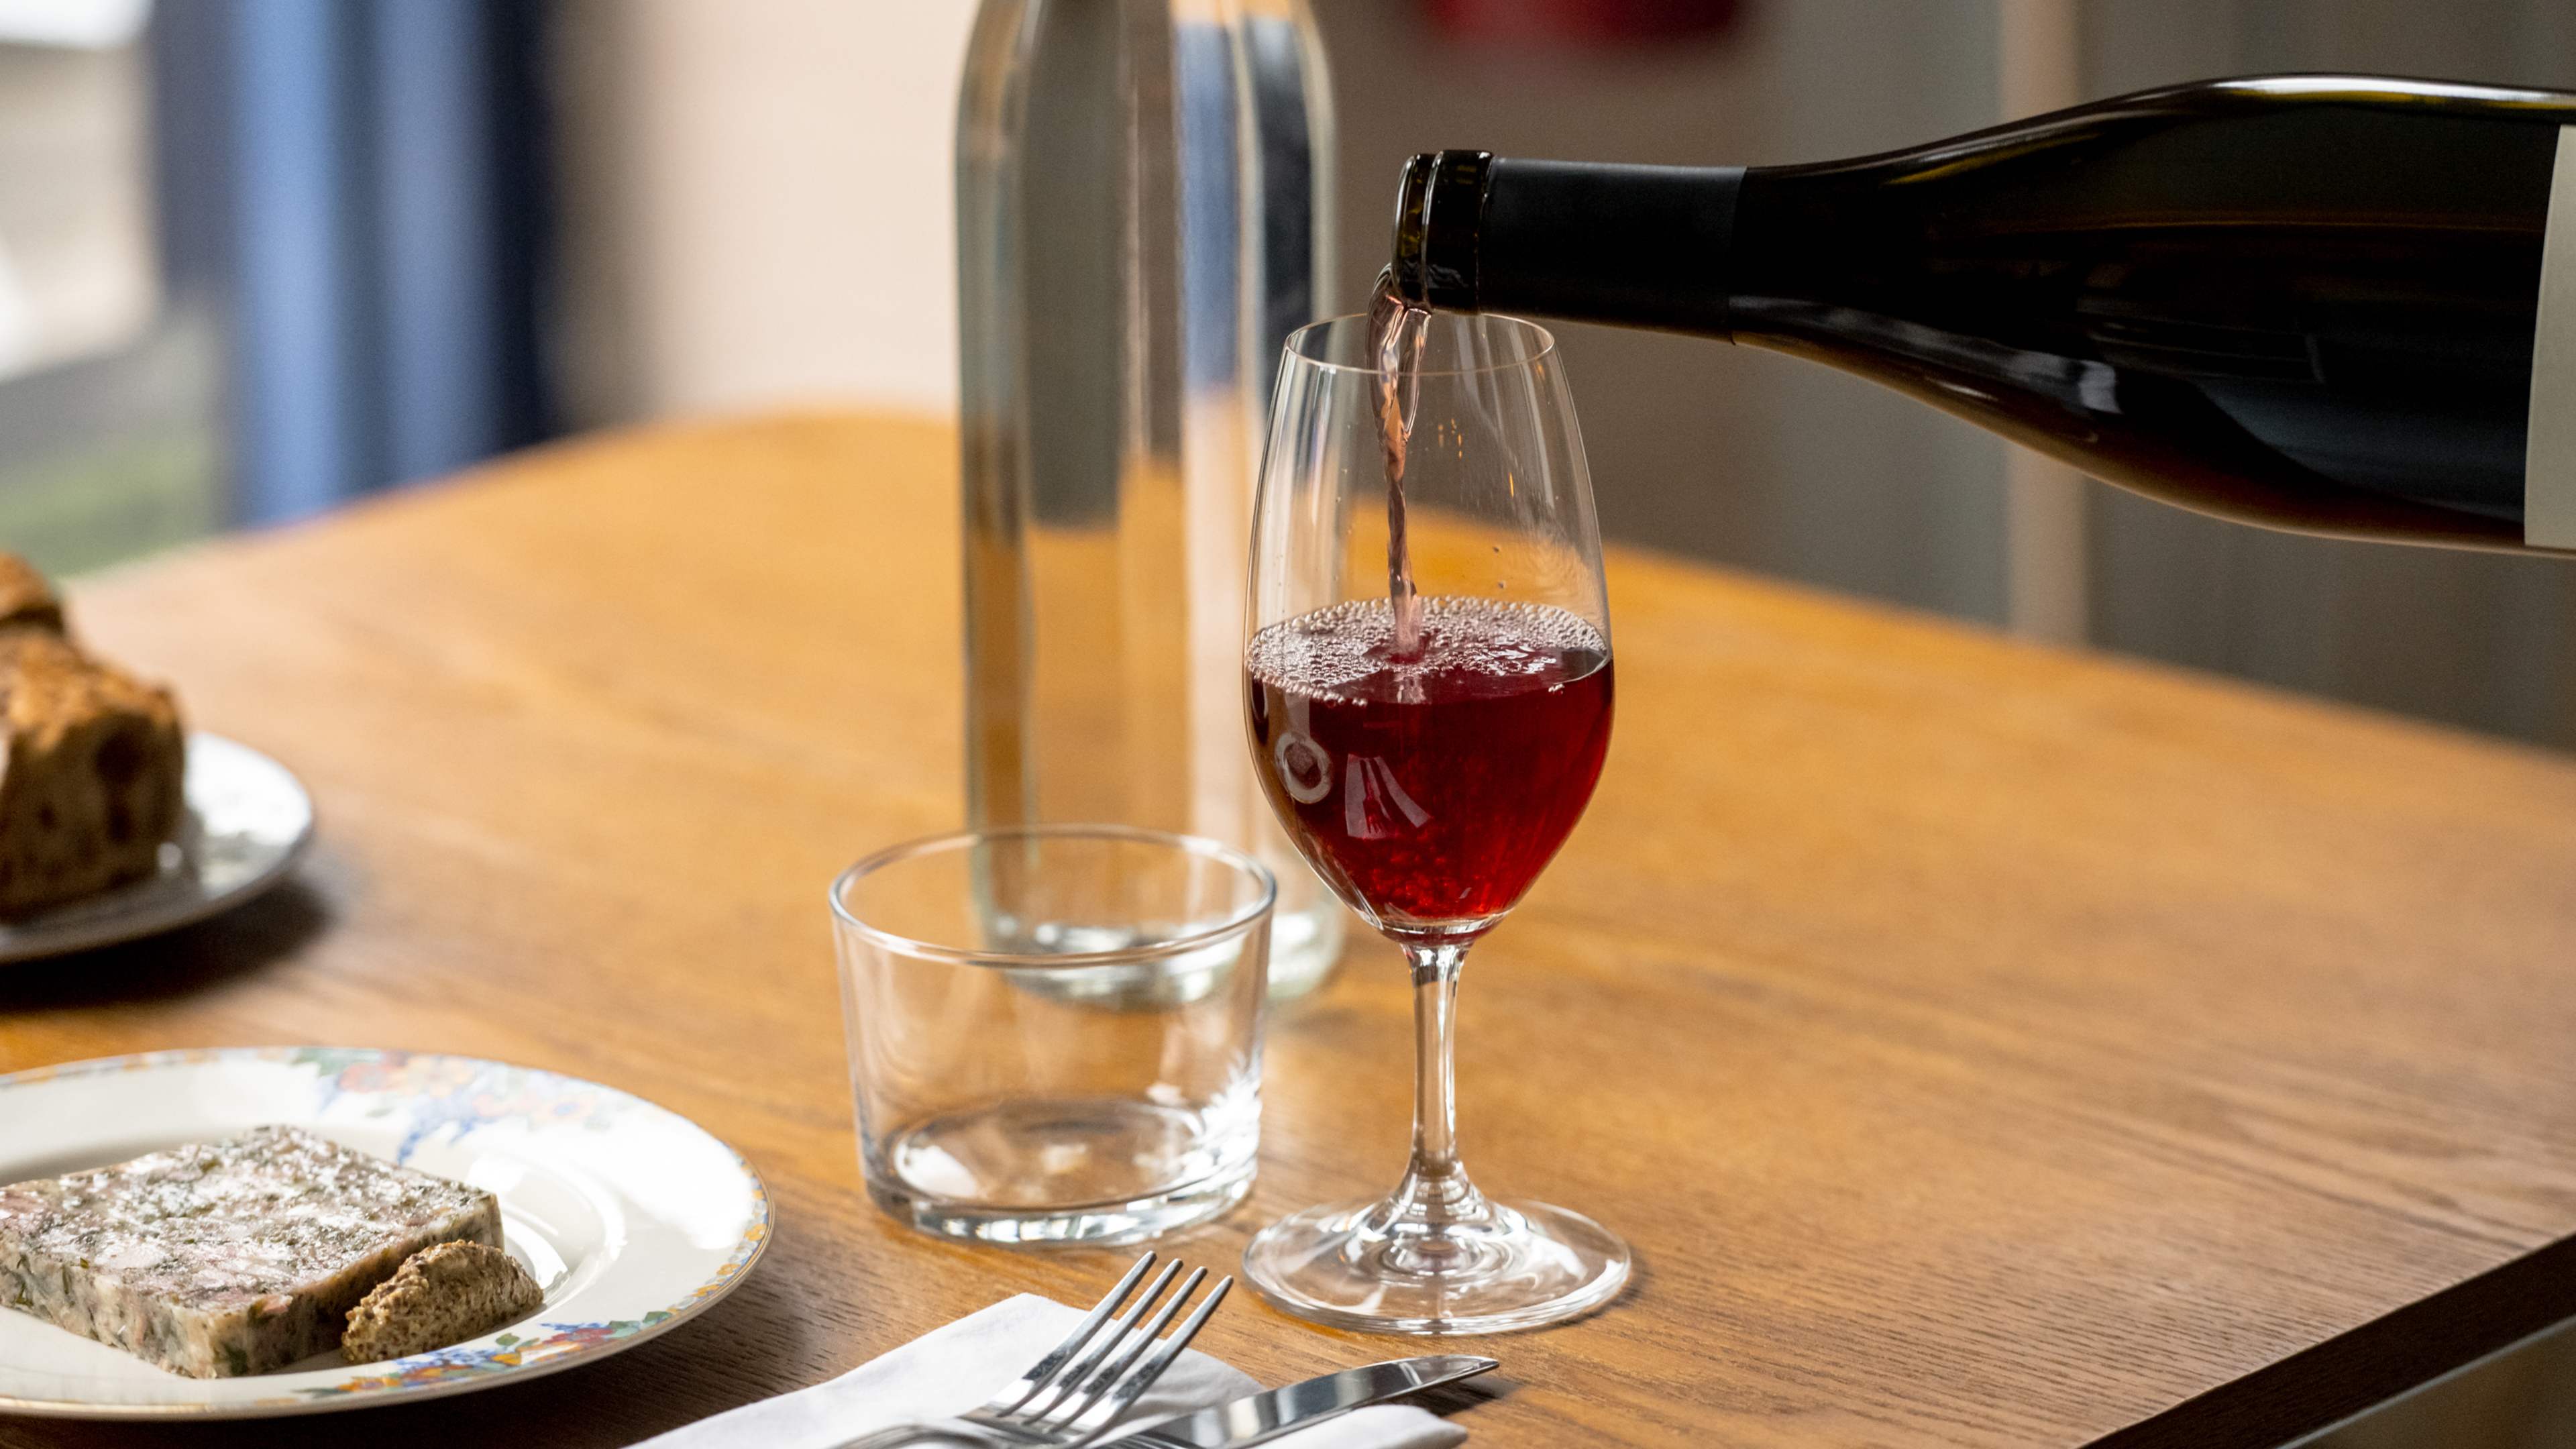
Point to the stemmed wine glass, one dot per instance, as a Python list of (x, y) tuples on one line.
[(1429, 766)]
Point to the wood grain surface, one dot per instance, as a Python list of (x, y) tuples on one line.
[(1979, 1045)]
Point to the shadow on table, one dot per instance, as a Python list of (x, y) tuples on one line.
[(191, 958), (1451, 1400)]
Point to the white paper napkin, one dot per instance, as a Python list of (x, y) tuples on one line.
[(953, 1369)]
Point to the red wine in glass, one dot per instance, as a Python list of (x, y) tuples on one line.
[(1430, 786)]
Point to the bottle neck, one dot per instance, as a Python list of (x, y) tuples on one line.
[(1634, 246)]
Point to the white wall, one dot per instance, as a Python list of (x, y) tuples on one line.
[(76, 266), (760, 209)]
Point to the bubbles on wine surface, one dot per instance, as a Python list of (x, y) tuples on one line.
[(1467, 647)]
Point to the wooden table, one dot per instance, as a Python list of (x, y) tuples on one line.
[(1980, 1045)]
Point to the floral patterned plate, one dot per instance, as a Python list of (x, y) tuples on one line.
[(633, 1218)]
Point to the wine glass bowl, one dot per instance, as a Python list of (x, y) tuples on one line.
[(1429, 688), (1508, 719)]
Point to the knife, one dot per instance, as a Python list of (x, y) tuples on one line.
[(1259, 1418)]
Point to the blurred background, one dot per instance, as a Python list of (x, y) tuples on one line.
[(260, 257)]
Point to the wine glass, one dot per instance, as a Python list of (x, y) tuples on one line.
[(1429, 768)]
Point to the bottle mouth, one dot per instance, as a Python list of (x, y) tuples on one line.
[(1437, 212), (1457, 344)]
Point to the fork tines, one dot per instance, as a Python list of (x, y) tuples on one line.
[(1072, 1396)]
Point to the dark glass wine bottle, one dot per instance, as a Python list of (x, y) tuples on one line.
[(2335, 304)]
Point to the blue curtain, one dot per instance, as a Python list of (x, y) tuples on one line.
[(357, 190)]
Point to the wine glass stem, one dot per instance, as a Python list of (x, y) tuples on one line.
[(1435, 1185)]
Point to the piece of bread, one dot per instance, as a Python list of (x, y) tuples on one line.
[(443, 1295), (92, 777), (27, 601)]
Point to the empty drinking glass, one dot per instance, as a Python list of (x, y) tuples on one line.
[(1010, 1086)]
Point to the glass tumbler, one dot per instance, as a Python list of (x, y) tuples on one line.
[(1003, 1094)]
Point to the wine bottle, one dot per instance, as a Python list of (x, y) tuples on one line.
[(2339, 305)]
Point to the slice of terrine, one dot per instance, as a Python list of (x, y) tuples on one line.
[(234, 1257)]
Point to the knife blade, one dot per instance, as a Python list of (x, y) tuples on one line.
[(1257, 1418)]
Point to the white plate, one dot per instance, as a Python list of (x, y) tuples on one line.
[(632, 1217), (248, 820)]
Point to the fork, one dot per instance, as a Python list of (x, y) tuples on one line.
[(1069, 1397)]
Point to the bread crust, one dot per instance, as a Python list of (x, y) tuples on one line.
[(441, 1295)]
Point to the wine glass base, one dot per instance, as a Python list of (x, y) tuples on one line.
[(1530, 1264)]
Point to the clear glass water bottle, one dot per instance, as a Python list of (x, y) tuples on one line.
[(1141, 220)]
